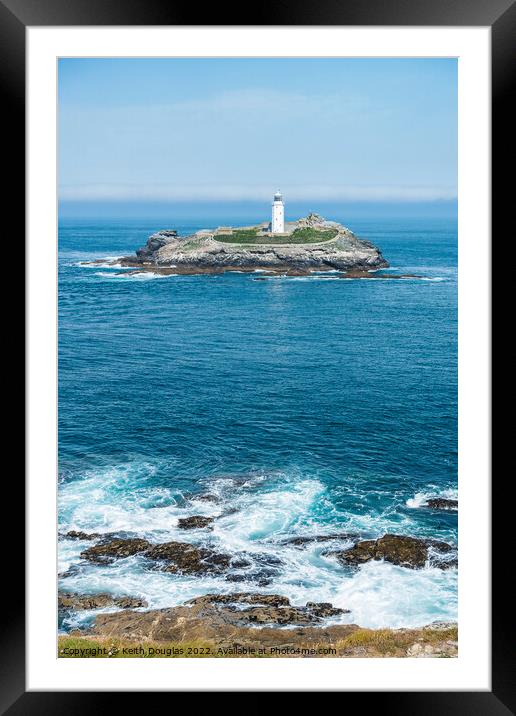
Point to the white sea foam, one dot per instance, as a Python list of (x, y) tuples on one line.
[(314, 278), (267, 514), (381, 594), (256, 516), (105, 266), (105, 262), (421, 498), (143, 276)]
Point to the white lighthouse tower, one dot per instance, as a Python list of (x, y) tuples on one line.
[(278, 214)]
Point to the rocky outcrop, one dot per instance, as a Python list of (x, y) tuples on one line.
[(325, 609), (274, 600), (182, 625), (245, 608), (77, 534), (209, 250), (79, 602), (242, 623), (279, 616), (444, 649), (258, 568), (252, 624), (194, 522), (310, 539), (441, 503), (156, 242), (175, 557), (227, 617), (400, 550), (204, 497), (106, 552), (187, 558)]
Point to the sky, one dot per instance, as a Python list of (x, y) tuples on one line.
[(150, 132)]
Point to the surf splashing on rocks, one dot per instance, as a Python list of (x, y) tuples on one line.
[(299, 416), (279, 530)]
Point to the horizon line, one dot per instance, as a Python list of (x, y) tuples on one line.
[(203, 194)]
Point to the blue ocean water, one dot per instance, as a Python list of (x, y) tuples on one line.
[(308, 405)]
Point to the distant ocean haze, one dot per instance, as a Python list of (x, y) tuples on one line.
[(242, 212)]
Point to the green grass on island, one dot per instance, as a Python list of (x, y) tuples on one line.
[(307, 235)]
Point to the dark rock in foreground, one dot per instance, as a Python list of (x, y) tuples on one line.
[(441, 503), (400, 550), (274, 600), (227, 615), (180, 557), (116, 548), (77, 534), (80, 602), (194, 522), (325, 609), (188, 559), (241, 623), (302, 541)]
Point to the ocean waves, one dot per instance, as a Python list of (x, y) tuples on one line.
[(300, 414), (279, 528)]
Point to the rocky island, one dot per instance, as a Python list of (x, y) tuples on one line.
[(309, 245)]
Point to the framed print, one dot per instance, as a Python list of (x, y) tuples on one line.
[(258, 355)]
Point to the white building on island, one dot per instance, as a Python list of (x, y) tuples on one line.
[(278, 214)]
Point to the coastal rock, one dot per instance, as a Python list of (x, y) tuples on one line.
[(442, 649), (325, 609), (77, 534), (156, 242), (194, 522), (441, 503), (182, 557), (260, 568), (130, 602), (358, 554), (273, 600), (310, 539), (401, 550), (115, 549), (183, 624), (220, 615), (260, 577), (204, 497), (279, 616), (440, 626), (244, 620), (175, 557), (80, 602)]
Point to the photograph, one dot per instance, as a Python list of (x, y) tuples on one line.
[(257, 357)]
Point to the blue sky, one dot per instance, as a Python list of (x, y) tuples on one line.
[(147, 131)]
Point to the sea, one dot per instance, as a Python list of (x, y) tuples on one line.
[(305, 406)]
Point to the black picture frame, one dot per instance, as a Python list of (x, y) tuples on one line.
[(500, 16)]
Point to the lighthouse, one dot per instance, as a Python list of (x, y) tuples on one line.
[(278, 214)]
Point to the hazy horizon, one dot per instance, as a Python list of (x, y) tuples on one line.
[(256, 211)]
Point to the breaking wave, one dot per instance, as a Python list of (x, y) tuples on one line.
[(258, 516)]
